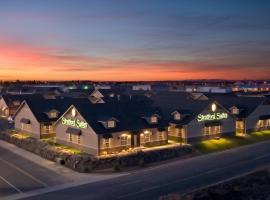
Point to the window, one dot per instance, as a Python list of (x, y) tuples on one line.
[(177, 116), (106, 143), (235, 111), (154, 119), (160, 136), (147, 137), (25, 127), (239, 124), (79, 139), (53, 114), (47, 128), (16, 103), (123, 140), (111, 124), (70, 137), (212, 130)]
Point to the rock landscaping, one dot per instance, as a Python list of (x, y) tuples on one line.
[(82, 162)]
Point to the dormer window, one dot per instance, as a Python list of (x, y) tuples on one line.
[(177, 116), (108, 122), (235, 110), (16, 103), (154, 119), (111, 124), (52, 114)]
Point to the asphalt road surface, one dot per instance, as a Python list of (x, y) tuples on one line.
[(178, 176), (19, 175)]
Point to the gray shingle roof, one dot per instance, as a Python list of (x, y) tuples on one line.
[(246, 104)]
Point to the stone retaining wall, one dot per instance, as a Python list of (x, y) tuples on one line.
[(88, 163)]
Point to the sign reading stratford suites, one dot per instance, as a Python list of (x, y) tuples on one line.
[(74, 122), (211, 117)]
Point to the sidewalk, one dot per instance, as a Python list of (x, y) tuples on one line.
[(75, 178), (68, 173)]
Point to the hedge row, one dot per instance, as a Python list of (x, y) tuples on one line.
[(88, 163)]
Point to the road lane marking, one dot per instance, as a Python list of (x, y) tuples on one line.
[(10, 184), (260, 157), (24, 172)]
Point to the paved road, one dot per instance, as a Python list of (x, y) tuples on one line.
[(182, 176), (18, 175)]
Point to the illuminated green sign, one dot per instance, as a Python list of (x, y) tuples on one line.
[(74, 122), (211, 117)]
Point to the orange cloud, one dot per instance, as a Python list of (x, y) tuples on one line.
[(25, 62)]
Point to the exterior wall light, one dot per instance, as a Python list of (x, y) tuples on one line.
[(214, 107), (73, 112), (145, 132)]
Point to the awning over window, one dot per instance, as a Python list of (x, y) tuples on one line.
[(179, 126), (73, 131), (161, 129), (264, 117), (213, 123), (107, 136), (47, 123), (25, 121)]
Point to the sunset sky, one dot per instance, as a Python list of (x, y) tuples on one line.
[(134, 39)]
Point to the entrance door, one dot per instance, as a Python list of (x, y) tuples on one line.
[(240, 126), (183, 135), (135, 141), (212, 130)]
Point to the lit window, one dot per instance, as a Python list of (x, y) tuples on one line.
[(47, 128), (70, 137), (53, 114), (154, 119), (147, 137), (111, 124), (177, 116), (25, 127), (107, 143), (123, 140), (160, 136), (212, 130), (16, 103), (235, 111)]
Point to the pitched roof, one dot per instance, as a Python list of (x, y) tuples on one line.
[(9, 98), (183, 102), (129, 114), (246, 104), (40, 107)]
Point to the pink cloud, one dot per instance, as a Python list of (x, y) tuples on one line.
[(21, 61)]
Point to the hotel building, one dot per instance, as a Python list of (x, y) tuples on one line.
[(132, 122)]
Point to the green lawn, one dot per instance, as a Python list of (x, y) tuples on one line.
[(224, 143)]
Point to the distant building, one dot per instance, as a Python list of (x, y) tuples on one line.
[(241, 87), (10, 103), (141, 87), (208, 89)]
